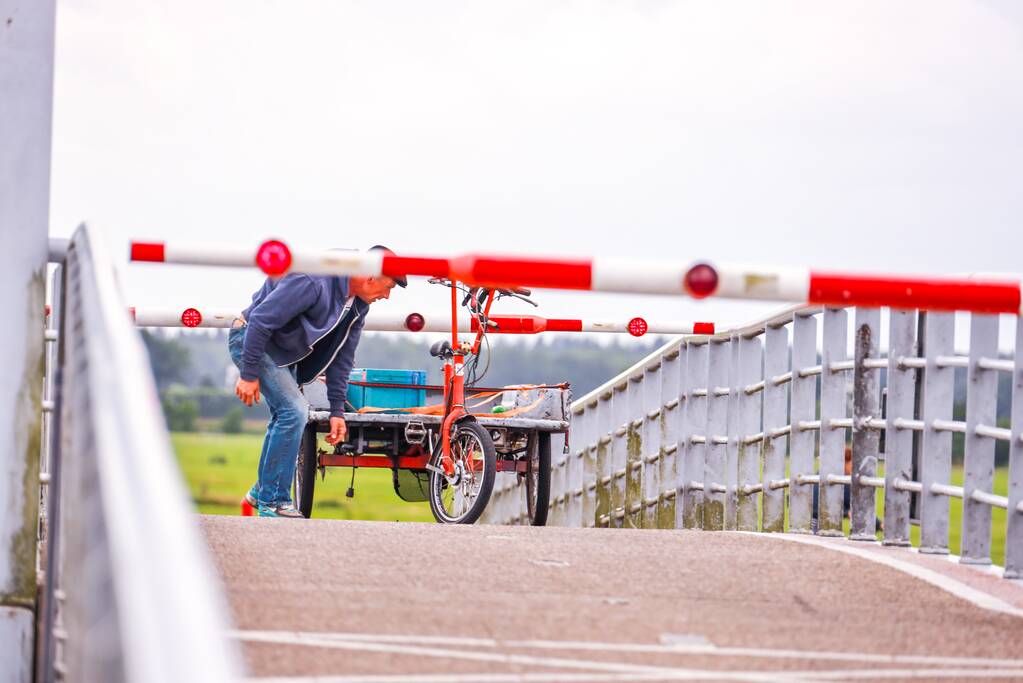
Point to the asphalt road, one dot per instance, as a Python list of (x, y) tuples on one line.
[(323, 600)]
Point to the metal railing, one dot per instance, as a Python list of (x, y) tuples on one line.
[(130, 593), (710, 432)]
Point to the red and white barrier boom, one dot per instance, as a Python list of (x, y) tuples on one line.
[(420, 322), (698, 280)]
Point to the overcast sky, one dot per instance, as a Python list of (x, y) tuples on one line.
[(864, 136)]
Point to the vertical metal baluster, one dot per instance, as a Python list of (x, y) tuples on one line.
[(668, 424), (589, 469), (634, 465), (606, 427), (718, 355), (833, 406), (898, 448), (1014, 523), (732, 426), (776, 362), (979, 462), (802, 443), (619, 453), (558, 448), (652, 451), (573, 468), (936, 446), (750, 371), (689, 507), (865, 440)]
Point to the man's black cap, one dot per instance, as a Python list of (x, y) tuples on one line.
[(398, 280)]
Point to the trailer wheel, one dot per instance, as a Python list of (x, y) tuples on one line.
[(538, 478), (305, 472)]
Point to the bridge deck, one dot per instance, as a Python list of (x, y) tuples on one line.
[(355, 599)]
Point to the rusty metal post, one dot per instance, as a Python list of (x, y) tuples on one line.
[(634, 452), (652, 451), (26, 109), (898, 440), (671, 412), (619, 452), (732, 427), (866, 438)]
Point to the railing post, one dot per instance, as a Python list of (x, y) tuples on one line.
[(936, 445), (776, 363), (732, 425), (750, 371), (718, 356), (671, 412), (1014, 523), (589, 462), (694, 427), (652, 451), (865, 439), (802, 442), (606, 427), (833, 407), (979, 462), (634, 460), (619, 452), (26, 91), (898, 443)]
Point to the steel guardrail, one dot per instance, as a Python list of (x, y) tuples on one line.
[(133, 591)]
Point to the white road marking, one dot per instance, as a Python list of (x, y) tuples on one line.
[(681, 675), (682, 648), (634, 671), (957, 588)]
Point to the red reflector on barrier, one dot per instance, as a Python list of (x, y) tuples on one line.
[(190, 317), (703, 328), (273, 257), (638, 327), (400, 266), (414, 322), (147, 251), (701, 281)]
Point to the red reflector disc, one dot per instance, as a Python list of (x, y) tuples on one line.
[(638, 327), (701, 280), (190, 317), (273, 257), (414, 322)]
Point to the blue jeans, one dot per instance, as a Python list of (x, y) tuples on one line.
[(289, 414)]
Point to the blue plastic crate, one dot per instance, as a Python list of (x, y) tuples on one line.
[(386, 397)]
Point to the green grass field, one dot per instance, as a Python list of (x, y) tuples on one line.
[(955, 516), (219, 468)]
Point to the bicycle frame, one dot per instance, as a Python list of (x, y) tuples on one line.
[(454, 377)]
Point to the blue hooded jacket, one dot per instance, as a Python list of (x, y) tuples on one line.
[(301, 319)]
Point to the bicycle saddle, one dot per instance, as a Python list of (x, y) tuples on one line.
[(441, 349)]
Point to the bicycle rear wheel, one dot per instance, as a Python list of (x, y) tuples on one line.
[(461, 498)]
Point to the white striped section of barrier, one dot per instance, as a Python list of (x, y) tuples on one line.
[(698, 279), (433, 322)]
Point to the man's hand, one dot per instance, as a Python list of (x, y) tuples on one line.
[(338, 431), (248, 392)]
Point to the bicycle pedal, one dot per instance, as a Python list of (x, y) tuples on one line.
[(415, 433)]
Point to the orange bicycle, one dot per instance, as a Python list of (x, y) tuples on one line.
[(464, 462)]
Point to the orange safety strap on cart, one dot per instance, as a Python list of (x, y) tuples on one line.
[(489, 396)]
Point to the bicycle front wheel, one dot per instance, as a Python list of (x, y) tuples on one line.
[(462, 497)]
